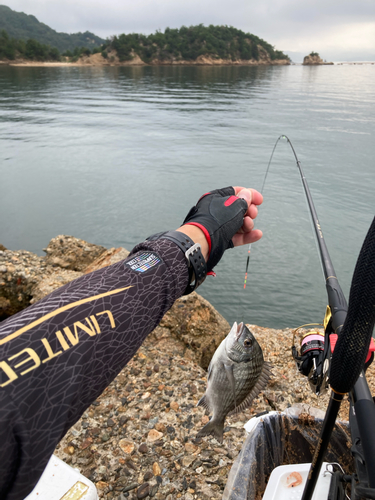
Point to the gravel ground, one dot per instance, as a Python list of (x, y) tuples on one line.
[(138, 440)]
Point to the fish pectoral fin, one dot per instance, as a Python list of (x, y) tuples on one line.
[(203, 402), (230, 375)]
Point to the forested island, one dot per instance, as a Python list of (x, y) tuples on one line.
[(23, 38)]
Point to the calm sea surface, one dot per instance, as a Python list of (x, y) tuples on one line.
[(112, 155)]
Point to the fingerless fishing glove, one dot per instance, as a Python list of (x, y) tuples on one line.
[(219, 214)]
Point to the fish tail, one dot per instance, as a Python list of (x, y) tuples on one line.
[(214, 428)]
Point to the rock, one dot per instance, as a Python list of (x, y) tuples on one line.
[(130, 487), (20, 271), (143, 490), (126, 445), (190, 448), (156, 469), (143, 448), (154, 435), (5, 308), (314, 59), (55, 279), (71, 253), (192, 328), (26, 278), (107, 258), (101, 485), (2, 247)]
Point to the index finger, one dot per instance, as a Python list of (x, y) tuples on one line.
[(256, 197)]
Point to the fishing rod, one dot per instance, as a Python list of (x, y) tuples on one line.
[(352, 329)]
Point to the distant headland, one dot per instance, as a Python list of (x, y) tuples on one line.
[(26, 41)]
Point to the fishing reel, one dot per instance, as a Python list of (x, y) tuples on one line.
[(312, 358)]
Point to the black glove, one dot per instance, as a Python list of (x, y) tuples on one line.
[(220, 215)]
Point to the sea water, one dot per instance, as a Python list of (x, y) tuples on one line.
[(112, 155)]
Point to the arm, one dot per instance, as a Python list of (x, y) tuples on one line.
[(58, 355)]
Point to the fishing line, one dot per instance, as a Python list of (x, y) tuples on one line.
[(261, 192), (325, 260)]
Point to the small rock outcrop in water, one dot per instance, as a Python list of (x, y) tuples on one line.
[(313, 59)]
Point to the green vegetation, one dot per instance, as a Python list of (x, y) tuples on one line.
[(224, 42), (11, 48), (23, 36), (313, 54), (22, 27)]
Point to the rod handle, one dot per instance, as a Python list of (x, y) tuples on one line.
[(354, 340)]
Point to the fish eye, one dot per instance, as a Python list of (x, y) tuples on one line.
[(248, 343)]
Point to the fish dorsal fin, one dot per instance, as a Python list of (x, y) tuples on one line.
[(261, 384), (239, 330), (234, 328)]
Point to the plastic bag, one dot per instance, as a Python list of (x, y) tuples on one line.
[(283, 438)]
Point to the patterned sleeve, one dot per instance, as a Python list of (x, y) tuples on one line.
[(58, 355)]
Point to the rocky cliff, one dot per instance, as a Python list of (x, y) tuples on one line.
[(112, 59)]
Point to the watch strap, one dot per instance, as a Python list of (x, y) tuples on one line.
[(196, 263)]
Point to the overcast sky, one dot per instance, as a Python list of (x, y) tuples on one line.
[(338, 29)]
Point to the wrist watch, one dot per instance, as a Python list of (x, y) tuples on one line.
[(196, 263)]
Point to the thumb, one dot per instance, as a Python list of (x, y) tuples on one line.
[(247, 195)]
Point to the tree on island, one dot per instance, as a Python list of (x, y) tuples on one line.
[(188, 43), (11, 49)]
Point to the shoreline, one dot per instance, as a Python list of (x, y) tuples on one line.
[(62, 64), (97, 60)]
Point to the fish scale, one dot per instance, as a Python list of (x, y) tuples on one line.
[(236, 375)]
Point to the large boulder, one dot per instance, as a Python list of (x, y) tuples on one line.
[(26, 278), (192, 328), (20, 271), (71, 253)]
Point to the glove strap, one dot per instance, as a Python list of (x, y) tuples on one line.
[(196, 263)]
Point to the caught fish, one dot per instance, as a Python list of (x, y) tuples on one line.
[(236, 375)]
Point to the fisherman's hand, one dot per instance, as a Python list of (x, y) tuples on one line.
[(222, 219)]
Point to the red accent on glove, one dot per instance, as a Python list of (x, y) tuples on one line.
[(230, 200), (206, 233), (203, 195)]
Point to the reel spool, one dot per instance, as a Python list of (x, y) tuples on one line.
[(310, 358)]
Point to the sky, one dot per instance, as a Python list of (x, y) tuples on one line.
[(339, 30)]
